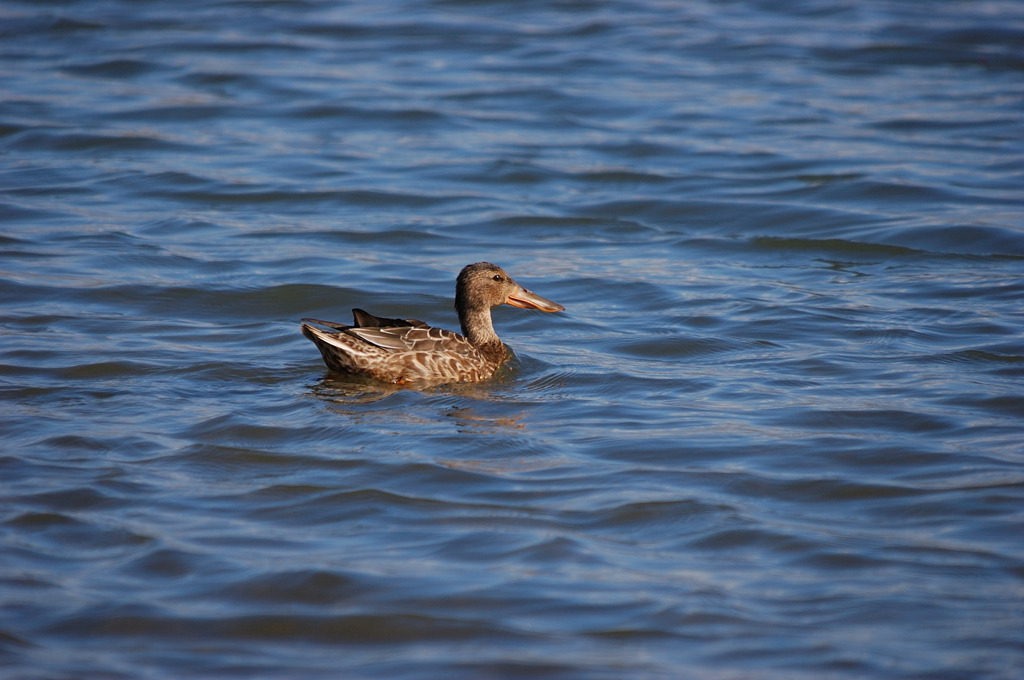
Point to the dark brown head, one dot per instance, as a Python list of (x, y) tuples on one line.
[(484, 285)]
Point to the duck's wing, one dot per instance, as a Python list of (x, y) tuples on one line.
[(414, 339), (363, 319)]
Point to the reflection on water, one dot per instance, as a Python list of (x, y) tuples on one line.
[(353, 389), (470, 420), (506, 467)]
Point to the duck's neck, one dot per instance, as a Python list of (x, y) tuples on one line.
[(478, 329)]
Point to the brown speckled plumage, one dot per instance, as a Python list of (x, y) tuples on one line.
[(408, 350)]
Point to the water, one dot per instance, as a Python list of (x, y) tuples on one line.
[(776, 434)]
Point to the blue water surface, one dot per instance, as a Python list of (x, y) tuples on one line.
[(777, 432)]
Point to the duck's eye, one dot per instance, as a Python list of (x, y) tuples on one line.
[(496, 277)]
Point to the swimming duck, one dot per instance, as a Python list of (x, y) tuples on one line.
[(408, 350)]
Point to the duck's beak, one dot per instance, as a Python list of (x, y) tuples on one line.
[(526, 299)]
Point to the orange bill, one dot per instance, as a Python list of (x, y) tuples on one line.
[(526, 299)]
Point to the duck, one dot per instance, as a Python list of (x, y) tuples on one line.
[(404, 351)]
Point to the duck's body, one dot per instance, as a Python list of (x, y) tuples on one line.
[(408, 350), (401, 353)]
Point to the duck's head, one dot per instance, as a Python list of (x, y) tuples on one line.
[(484, 285)]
